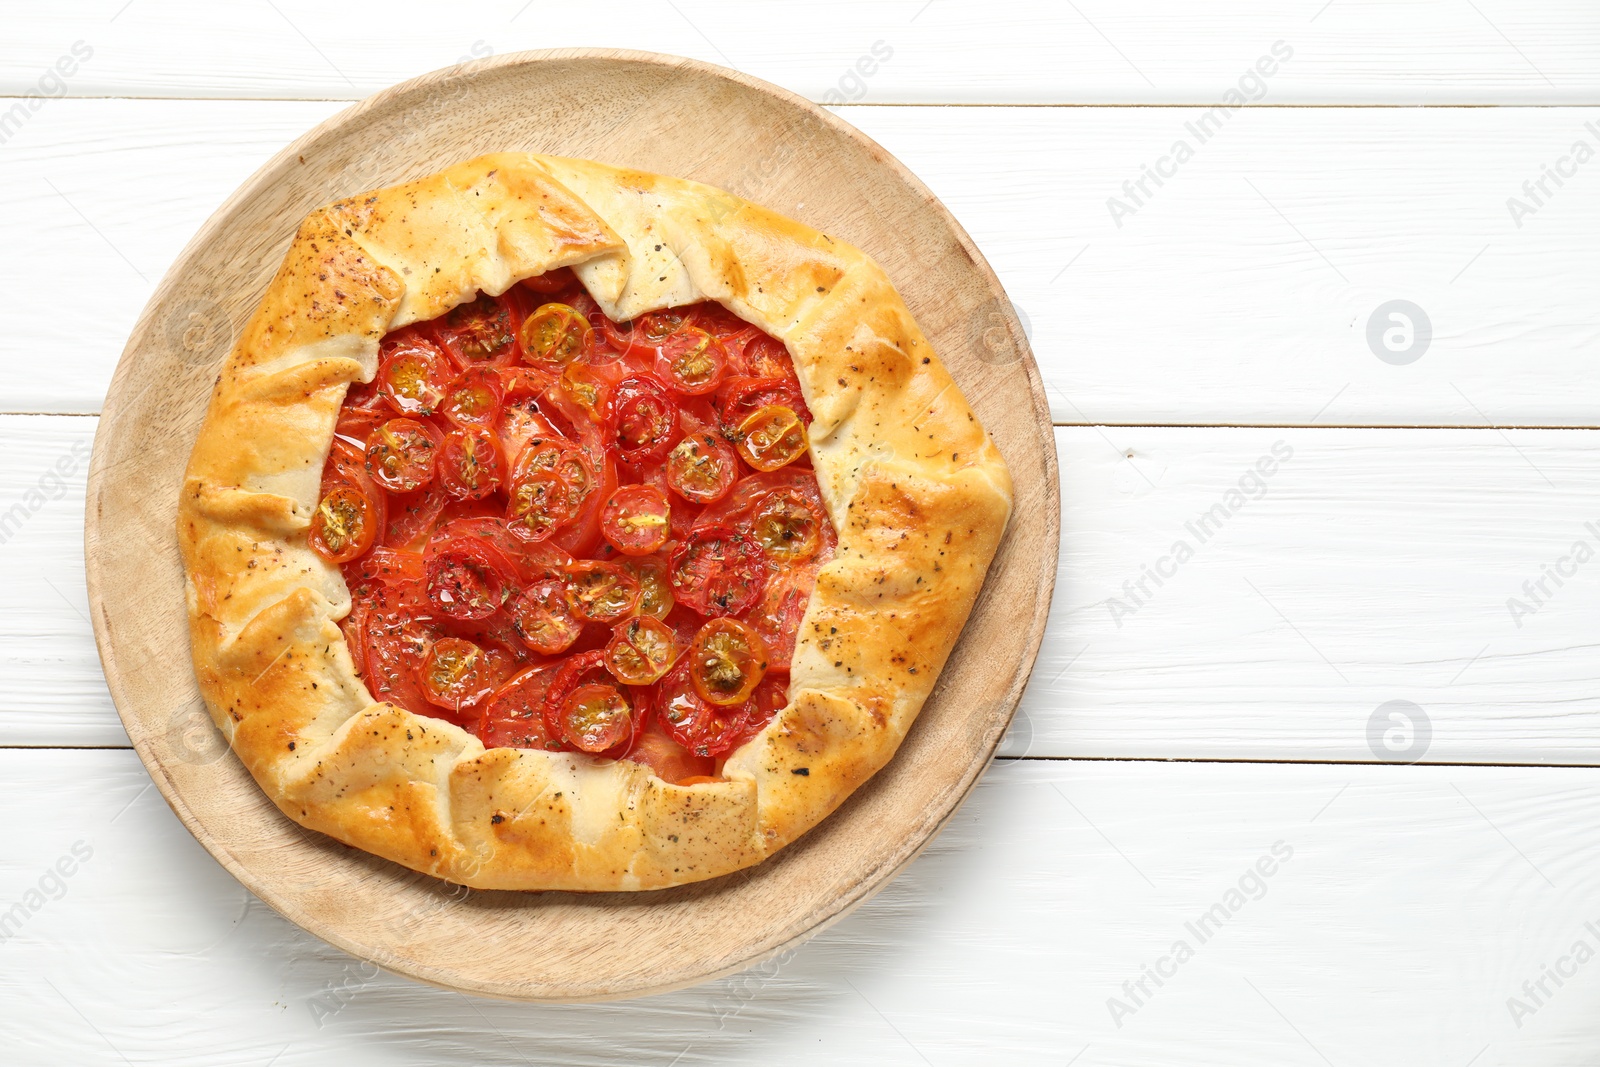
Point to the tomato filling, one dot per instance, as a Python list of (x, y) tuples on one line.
[(572, 534)]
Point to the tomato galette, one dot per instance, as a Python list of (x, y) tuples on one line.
[(556, 526)]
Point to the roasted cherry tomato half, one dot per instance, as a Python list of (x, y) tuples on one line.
[(543, 618), (771, 437), (787, 526), (513, 717), (345, 524), (702, 467), (717, 571), (474, 398), (644, 418), (455, 674), (601, 592), (464, 584), (554, 336), (655, 592), (413, 375), (586, 707), (692, 361), (727, 661), (596, 717), (548, 488), (641, 650), (478, 332), (400, 455), (636, 520), (470, 464)]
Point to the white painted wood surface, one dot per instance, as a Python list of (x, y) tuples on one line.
[(1238, 294), (1226, 314), (1003, 51), (1413, 903)]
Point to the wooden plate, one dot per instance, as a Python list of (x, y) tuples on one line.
[(657, 113)]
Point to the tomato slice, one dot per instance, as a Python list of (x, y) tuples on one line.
[(522, 417), (474, 398), (767, 357), (543, 619), (411, 516), (770, 697), (413, 375), (670, 761), (654, 327), (692, 361), (350, 512), (601, 592), (395, 640), (400, 455), (644, 420), (478, 332), (392, 568), (717, 571), (513, 717), (354, 627), (776, 616), (470, 464), (727, 661), (357, 419), (463, 582), (702, 468), (455, 674), (555, 335), (641, 650), (636, 520), (771, 437)]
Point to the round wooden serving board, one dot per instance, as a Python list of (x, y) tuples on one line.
[(656, 113)]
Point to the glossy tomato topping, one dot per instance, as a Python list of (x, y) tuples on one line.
[(567, 533)]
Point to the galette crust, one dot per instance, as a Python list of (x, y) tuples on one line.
[(917, 491)]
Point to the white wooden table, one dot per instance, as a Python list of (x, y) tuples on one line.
[(1210, 841)]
